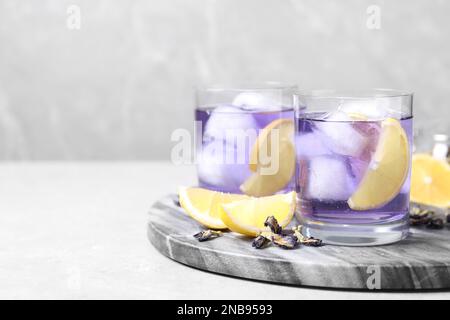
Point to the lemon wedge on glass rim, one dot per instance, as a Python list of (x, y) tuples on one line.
[(273, 165), (247, 216), (204, 205), (387, 171)]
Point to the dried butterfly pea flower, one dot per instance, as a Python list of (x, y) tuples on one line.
[(207, 235), (263, 239), (273, 225), (260, 242), (311, 242), (307, 241), (436, 223), (420, 221), (415, 211), (287, 239), (285, 242), (419, 217)]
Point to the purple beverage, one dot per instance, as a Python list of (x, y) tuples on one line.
[(235, 127), (228, 136), (353, 168)]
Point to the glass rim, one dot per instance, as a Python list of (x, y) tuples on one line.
[(359, 94), (247, 87)]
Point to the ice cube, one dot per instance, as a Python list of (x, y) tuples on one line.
[(358, 168), (228, 121), (340, 136), (337, 115), (310, 145), (371, 130), (373, 109), (218, 166), (254, 101), (329, 179), (363, 107), (391, 106)]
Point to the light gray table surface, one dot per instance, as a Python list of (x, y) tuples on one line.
[(78, 231)]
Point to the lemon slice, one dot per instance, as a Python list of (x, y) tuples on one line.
[(430, 181), (248, 216), (204, 205), (272, 159), (387, 171)]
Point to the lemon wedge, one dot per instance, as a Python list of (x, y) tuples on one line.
[(272, 159), (387, 171), (204, 205), (430, 181), (285, 129), (247, 216), (262, 184)]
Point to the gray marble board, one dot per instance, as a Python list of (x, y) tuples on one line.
[(422, 261)]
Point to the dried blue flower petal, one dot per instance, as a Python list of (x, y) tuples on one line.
[(436, 224), (207, 235), (306, 241), (273, 225), (260, 242), (285, 242)]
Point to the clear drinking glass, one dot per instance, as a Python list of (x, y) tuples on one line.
[(236, 123), (353, 165)]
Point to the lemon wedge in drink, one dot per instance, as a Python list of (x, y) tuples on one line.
[(387, 171), (285, 129), (204, 205), (272, 159), (247, 216), (430, 181)]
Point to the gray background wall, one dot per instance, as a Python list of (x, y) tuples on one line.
[(116, 88)]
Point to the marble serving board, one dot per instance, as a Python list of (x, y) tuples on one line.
[(422, 261)]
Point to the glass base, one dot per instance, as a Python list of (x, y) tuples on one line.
[(355, 234)]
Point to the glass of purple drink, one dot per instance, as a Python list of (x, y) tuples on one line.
[(353, 165), (234, 125)]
